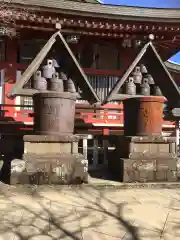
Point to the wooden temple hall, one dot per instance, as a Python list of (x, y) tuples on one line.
[(110, 53)]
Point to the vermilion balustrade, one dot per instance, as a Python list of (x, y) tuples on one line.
[(105, 116)]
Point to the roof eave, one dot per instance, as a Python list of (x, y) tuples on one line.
[(173, 67), (102, 11)]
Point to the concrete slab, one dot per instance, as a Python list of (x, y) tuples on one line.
[(88, 212)]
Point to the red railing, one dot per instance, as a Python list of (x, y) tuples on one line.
[(97, 115), (90, 114), (103, 117)]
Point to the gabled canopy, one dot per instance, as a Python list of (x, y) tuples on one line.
[(159, 72), (76, 71)]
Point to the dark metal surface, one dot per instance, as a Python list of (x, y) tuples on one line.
[(145, 88), (137, 75), (39, 82), (70, 86), (48, 69), (157, 91), (143, 69), (130, 86), (143, 116), (56, 83), (150, 79), (54, 113)]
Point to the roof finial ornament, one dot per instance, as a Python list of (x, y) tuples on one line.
[(151, 37), (58, 26)]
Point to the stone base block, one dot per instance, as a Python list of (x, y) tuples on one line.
[(46, 144), (144, 170), (50, 169), (146, 147)]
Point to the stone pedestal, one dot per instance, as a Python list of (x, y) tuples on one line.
[(51, 154), (51, 160), (143, 155), (145, 159)]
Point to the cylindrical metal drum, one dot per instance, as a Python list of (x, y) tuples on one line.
[(54, 113), (143, 116)]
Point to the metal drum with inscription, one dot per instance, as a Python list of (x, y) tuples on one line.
[(54, 113), (143, 116)]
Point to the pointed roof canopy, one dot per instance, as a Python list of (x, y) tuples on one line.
[(78, 74), (159, 72)]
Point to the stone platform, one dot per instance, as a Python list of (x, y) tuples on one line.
[(86, 213), (145, 159), (150, 147), (50, 144), (144, 170), (50, 160)]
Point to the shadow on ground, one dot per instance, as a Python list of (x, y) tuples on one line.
[(49, 213)]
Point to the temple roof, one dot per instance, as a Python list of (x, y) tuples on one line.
[(88, 8), (92, 9), (150, 3), (87, 1), (174, 67)]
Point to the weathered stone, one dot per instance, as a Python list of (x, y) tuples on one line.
[(145, 159), (42, 144), (161, 175), (172, 176), (146, 147), (18, 166), (45, 148), (51, 138), (55, 169), (130, 170), (166, 164), (169, 175), (178, 168)]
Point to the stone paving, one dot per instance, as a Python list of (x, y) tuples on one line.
[(90, 213)]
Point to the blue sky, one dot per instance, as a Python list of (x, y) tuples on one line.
[(144, 3), (150, 3)]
